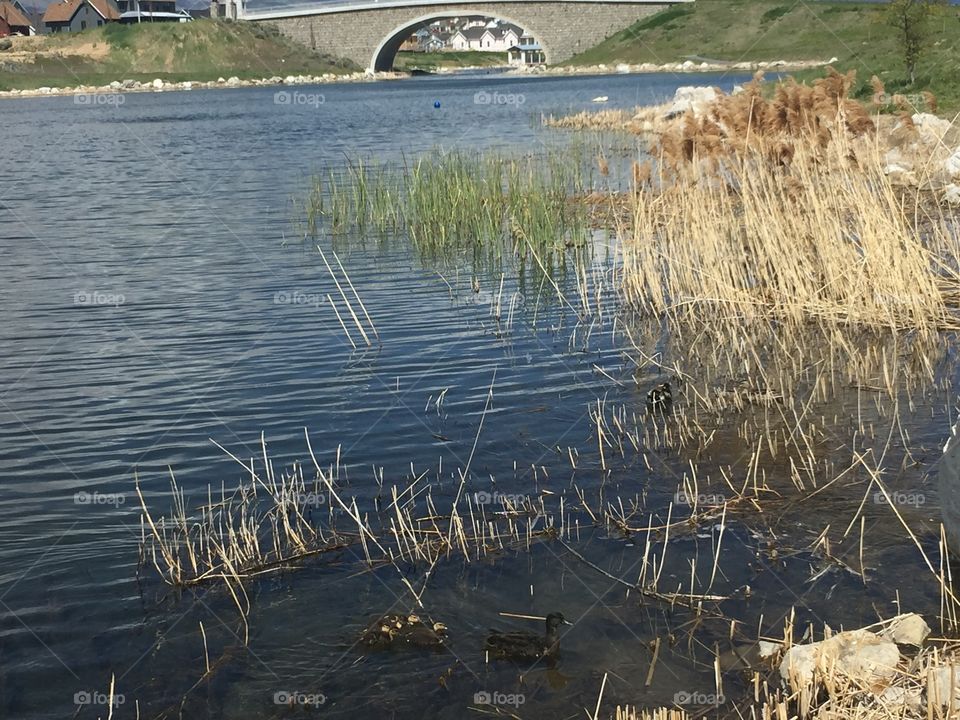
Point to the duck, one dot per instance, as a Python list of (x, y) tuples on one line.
[(660, 398), (396, 630), (601, 99), (527, 646)]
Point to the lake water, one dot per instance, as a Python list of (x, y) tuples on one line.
[(157, 297)]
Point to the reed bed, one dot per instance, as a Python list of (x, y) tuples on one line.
[(455, 201)]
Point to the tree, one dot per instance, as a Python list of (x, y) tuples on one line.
[(911, 19)]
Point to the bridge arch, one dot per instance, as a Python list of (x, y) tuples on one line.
[(369, 32), (386, 51)]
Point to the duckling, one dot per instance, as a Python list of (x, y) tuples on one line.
[(403, 630), (525, 645), (660, 398)]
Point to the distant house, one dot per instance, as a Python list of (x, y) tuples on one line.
[(135, 11), (14, 20), (531, 54), (467, 38), (77, 15), (491, 38)]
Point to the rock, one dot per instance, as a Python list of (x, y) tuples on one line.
[(187, 85), (688, 65), (129, 84), (697, 99), (943, 686), (44, 90), (952, 164), (157, 84), (895, 696), (930, 126), (233, 81), (116, 85), (906, 629), (289, 80), (859, 654), (623, 68), (951, 195), (220, 81), (768, 649)]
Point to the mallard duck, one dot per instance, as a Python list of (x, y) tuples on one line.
[(660, 398), (524, 645), (399, 630)]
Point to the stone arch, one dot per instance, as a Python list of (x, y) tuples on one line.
[(386, 51)]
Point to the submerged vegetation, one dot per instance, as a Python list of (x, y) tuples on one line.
[(787, 304)]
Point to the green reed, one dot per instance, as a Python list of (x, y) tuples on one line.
[(487, 203)]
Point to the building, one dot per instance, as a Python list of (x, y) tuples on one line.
[(528, 54), (135, 11), (493, 37), (14, 20), (226, 9), (77, 15)]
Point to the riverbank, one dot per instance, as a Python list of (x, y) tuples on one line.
[(201, 51), (858, 34)]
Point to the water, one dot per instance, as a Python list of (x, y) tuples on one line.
[(157, 297)]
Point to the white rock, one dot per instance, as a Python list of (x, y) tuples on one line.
[(116, 85), (187, 85), (220, 81), (44, 90), (943, 685), (768, 649), (157, 84), (623, 68), (289, 80), (907, 629), (833, 59), (233, 81), (930, 126), (697, 99), (951, 195), (688, 65), (858, 654), (952, 164)]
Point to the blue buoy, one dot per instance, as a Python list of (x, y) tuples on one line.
[(436, 103)]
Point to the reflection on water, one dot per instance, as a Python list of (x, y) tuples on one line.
[(159, 297)]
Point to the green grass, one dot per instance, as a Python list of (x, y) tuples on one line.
[(452, 59), (201, 50), (755, 30)]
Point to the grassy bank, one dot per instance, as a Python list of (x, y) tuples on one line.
[(201, 50), (452, 59), (748, 30)]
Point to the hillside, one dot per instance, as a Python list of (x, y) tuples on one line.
[(741, 30), (200, 50)]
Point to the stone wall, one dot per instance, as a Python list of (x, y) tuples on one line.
[(371, 37)]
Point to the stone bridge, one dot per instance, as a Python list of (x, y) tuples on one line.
[(370, 32)]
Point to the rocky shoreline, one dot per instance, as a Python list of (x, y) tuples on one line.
[(160, 85)]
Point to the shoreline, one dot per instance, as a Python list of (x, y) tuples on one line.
[(160, 85)]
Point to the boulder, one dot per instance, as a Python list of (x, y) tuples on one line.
[(623, 68), (930, 126), (862, 656), (688, 65), (116, 85), (943, 686), (696, 99), (233, 81), (157, 84), (129, 84)]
